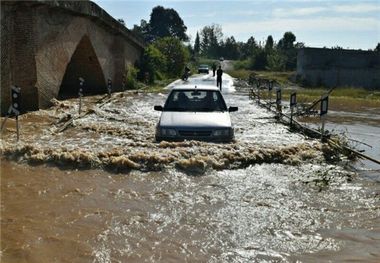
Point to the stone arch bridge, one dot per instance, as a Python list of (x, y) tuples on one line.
[(47, 45)]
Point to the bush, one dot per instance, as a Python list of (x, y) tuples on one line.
[(243, 64), (175, 53), (152, 62), (131, 78)]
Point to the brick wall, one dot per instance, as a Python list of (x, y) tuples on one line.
[(42, 47)]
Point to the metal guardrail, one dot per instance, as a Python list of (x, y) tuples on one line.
[(295, 124)]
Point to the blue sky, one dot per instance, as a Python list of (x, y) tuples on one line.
[(349, 24)]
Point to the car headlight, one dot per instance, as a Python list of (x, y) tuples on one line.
[(222, 132), (168, 132)]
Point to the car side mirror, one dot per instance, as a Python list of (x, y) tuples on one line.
[(158, 108), (232, 109)]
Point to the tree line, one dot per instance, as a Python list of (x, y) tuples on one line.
[(255, 55), (168, 49)]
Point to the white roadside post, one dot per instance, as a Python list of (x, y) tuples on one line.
[(80, 93), (324, 109), (293, 103)]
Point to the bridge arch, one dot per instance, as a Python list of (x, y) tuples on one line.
[(83, 63), (48, 45)]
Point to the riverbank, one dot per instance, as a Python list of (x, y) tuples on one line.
[(341, 98)]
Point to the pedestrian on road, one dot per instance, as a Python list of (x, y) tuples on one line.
[(213, 69), (219, 74)]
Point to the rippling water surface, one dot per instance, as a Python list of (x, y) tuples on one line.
[(104, 191)]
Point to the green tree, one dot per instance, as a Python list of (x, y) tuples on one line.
[(248, 48), (286, 47), (176, 55), (258, 60), (269, 44), (165, 22), (287, 41), (151, 65), (276, 61), (211, 39), (231, 48), (197, 45), (377, 48), (143, 30)]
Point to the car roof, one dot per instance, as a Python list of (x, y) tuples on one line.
[(203, 65), (195, 87)]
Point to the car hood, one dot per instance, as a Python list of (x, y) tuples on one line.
[(195, 119)]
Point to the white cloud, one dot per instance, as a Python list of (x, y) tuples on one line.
[(307, 24), (283, 12), (204, 15), (357, 8), (363, 8)]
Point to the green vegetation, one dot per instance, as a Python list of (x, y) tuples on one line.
[(283, 78), (164, 22), (131, 78), (252, 55), (166, 56), (157, 87)]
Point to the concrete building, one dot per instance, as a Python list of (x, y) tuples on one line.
[(47, 45), (339, 67)]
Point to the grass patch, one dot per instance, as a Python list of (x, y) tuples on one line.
[(157, 87), (283, 78), (346, 99)]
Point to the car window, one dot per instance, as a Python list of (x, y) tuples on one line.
[(195, 100)]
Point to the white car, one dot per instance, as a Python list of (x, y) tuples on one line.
[(195, 113)]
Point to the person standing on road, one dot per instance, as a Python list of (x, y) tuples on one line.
[(219, 74), (213, 69)]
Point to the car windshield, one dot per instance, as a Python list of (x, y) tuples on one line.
[(195, 100), (203, 66)]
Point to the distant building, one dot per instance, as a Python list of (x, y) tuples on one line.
[(338, 67)]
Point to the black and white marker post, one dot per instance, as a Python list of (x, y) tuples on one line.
[(80, 93), (258, 84), (109, 87), (270, 87), (278, 102), (14, 108), (293, 103), (324, 109)]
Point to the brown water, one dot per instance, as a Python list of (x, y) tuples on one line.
[(104, 191)]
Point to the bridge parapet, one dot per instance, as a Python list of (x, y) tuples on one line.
[(89, 9)]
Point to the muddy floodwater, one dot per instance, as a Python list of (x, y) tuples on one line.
[(103, 190)]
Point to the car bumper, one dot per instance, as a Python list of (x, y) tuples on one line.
[(203, 71), (198, 135)]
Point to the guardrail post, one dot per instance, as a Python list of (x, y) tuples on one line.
[(293, 103), (324, 109)]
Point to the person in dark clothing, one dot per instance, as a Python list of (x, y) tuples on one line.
[(186, 74), (213, 69), (219, 74)]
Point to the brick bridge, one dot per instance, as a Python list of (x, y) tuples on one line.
[(47, 45)]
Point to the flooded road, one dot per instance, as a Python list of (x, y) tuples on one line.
[(104, 191)]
